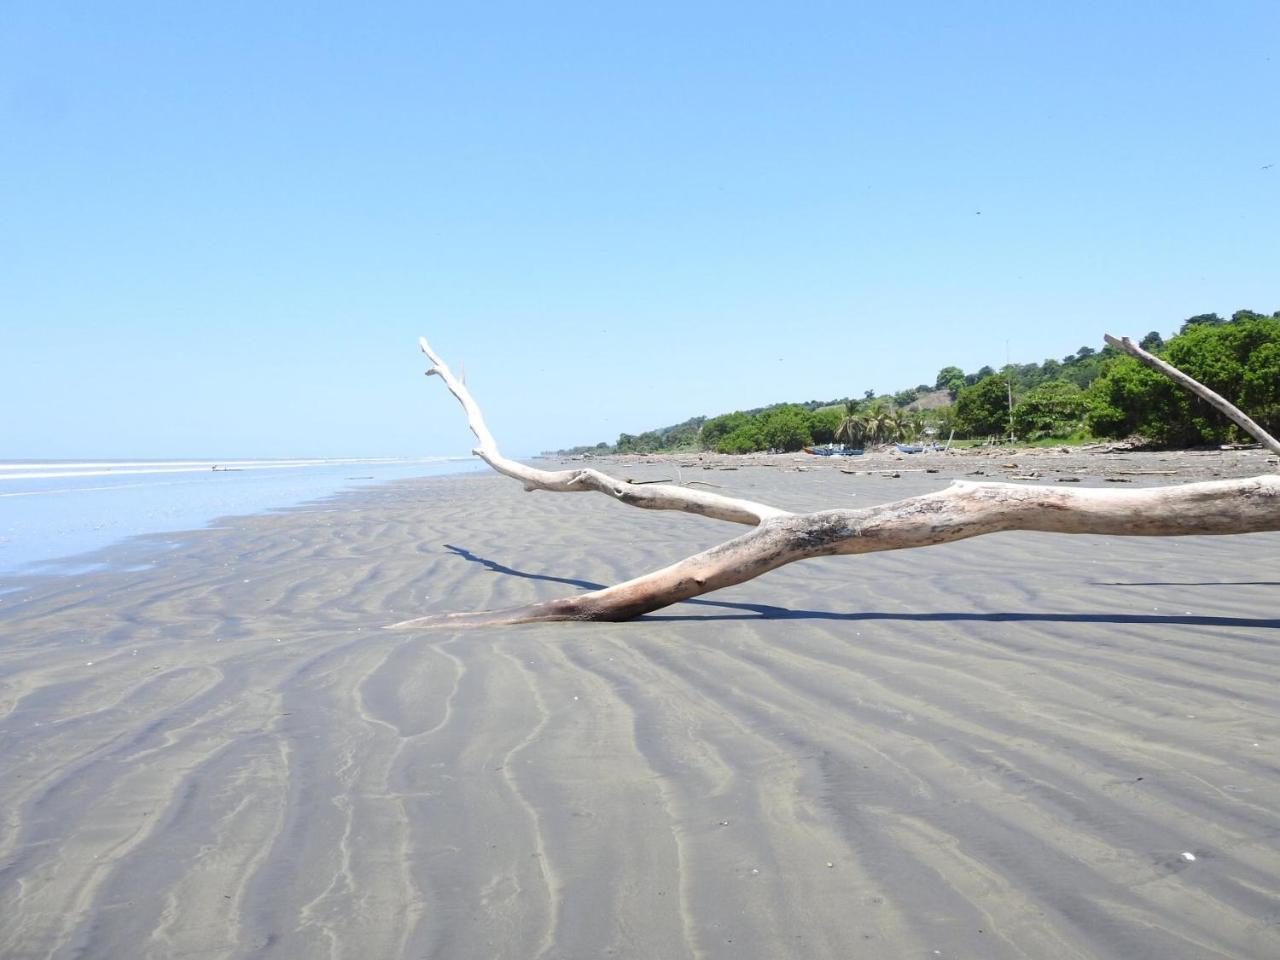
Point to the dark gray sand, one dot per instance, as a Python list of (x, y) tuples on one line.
[(1015, 746)]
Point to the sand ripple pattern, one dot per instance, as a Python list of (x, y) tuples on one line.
[(1018, 747)]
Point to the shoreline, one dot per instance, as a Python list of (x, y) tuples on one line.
[(1001, 747), (991, 463), (1088, 467), (69, 519)]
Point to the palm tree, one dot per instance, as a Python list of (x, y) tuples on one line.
[(876, 422), (849, 432), (898, 424)]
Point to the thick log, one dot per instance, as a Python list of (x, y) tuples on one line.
[(963, 510)]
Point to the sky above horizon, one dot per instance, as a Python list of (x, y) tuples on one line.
[(223, 227)]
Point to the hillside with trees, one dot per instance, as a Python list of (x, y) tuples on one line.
[(1092, 393)]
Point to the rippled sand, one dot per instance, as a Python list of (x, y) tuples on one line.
[(1017, 746)]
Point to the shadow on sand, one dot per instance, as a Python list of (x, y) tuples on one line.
[(763, 611)]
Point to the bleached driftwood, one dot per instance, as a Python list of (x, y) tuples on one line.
[(649, 496), (965, 509)]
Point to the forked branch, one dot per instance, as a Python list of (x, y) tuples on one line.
[(962, 510)]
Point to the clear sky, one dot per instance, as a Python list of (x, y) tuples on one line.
[(224, 225)]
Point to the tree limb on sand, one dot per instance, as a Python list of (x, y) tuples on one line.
[(965, 509)]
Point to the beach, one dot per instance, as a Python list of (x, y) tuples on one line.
[(1019, 745)]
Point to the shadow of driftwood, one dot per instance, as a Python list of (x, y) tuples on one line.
[(1185, 583), (764, 611), (781, 613), (506, 571)]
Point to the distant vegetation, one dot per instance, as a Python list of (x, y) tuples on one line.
[(1088, 394)]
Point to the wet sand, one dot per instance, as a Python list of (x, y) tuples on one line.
[(1015, 746)]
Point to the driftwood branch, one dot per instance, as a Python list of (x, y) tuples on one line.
[(965, 509), (1215, 400), (649, 496)]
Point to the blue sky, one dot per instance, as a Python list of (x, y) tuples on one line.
[(223, 226)]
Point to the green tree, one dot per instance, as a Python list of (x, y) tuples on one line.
[(824, 423), (1241, 315), (1239, 360), (1201, 320), (949, 378), (717, 428), (1260, 383), (876, 419), (683, 437), (745, 439), (1124, 400), (1152, 342), (1053, 409), (982, 410), (943, 421), (900, 425), (850, 429), (785, 428), (648, 442), (970, 379)]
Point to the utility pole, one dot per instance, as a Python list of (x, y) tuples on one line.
[(1008, 382)]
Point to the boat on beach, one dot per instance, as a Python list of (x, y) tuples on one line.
[(834, 451)]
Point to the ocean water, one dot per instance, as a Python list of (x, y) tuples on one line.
[(52, 513)]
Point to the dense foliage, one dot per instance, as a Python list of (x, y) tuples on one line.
[(1056, 408), (1237, 358), (1099, 393)]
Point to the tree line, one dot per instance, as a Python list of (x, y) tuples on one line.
[(1090, 394)]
